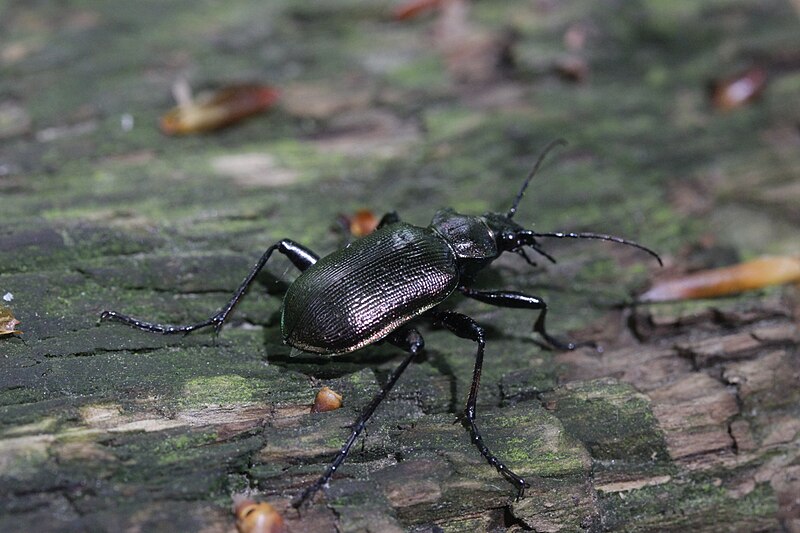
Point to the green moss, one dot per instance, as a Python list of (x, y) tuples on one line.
[(223, 390), (24, 458), (529, 438), (451, 123), (425, 73), (21, 395), (695, 503), (614, 421), (177, 448)]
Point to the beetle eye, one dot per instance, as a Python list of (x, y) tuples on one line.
[(509, 240)]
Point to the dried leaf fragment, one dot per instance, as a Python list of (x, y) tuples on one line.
[(410, 9), (747, 276), (361, 223), (572, 68), (739, 90), (8, 323), (326, 400), (256, 517), (471, 54), (219, 109)]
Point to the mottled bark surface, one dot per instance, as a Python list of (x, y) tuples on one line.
[(688, 420)]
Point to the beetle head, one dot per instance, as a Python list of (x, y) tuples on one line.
[(511, 237)]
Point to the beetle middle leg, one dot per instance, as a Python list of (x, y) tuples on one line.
[(467, 328), (411, 341), (300, 256), (520, 300)]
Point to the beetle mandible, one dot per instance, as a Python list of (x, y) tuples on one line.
[(371, 290)]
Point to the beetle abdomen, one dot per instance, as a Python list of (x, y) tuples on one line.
[(361, 293)]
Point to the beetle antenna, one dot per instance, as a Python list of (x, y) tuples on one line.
[(599, 236), (535, 168)]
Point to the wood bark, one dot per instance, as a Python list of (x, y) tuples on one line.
[(689, 419)]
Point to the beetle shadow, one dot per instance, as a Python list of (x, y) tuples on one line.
[(377, 357), (382, 358)]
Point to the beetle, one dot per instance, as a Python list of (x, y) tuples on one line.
[(372, 289)]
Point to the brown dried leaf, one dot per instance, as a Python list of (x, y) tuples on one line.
[(471, 54), (734, 279), (219, 109), (410, 9), (739, 90), (572, 68), (361, 223), (8, 323)]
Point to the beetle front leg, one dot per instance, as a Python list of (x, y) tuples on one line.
[(300, 256), (411, 341), (520, 300), (467, 328), (389, 218)]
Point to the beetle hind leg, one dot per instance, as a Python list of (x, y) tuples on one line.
[(411, 341), (467, 328), (300, 256)]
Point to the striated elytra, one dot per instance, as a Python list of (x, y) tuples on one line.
[(361, 293)]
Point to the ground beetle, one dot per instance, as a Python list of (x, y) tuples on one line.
[(371, 290)]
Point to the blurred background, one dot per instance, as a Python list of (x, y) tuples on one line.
[(151, 151)]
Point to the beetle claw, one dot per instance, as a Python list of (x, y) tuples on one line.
[(218, 320)]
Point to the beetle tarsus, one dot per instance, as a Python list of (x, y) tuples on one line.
[(151, 326)]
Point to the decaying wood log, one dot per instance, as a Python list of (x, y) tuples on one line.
[(694, 426), (689, 420)]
